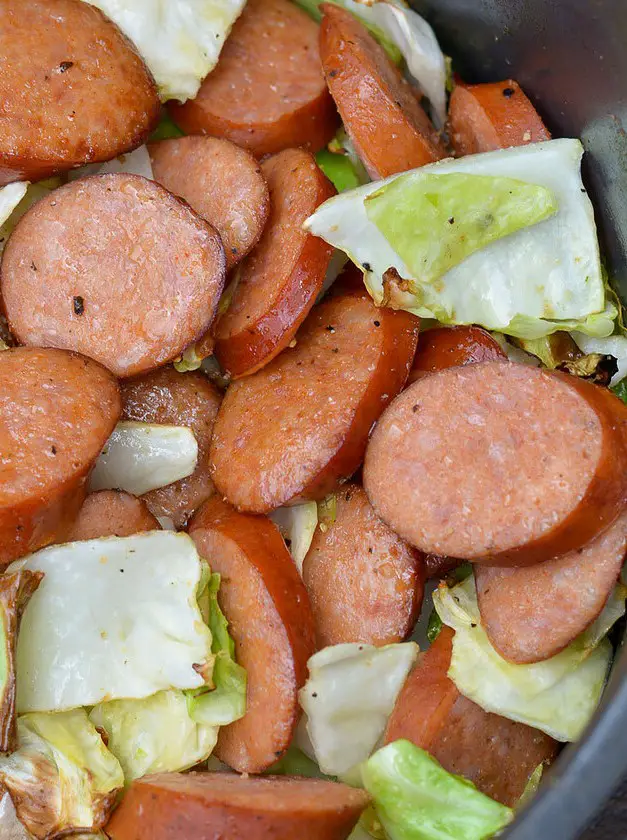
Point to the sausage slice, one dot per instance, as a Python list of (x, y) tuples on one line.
[(115, 267), (73, 89), (279, 282), (483, 118), (496, 754), (445, 347), (111, 513), (177, 399), (267, 92), (57, 411), (204, 806), (388, 126), (295, 428), (221, 182), (533, 613), (365, 584), (270, 620), (499, 463)]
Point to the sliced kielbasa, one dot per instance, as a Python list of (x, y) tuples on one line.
[(111, 513), (445, 347)]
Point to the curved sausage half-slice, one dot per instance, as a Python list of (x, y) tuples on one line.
[(221, 182), (496, 754), (57, 410), (365, 584), (297, 427), (483, 118), (279, 282), (73, 89), (499, 463), (116, 268), (445, 347), (270, 620), (267, 92), (380, 111), (176, 399), (208, 806), (111, 513), (533, 613)]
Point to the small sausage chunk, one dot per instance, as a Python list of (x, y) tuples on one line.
[(297, 427), (208, 806), (496, 754), (445, 347), (111, 513), (533, 613), (267, 92), (499, 463), (176, 399), (221, 182), (483, 118), (388, 126), (270, 620), (116, 268), (280, 281), (73, 89), (364, 582), (57, 411)]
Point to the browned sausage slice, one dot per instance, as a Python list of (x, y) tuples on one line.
[(115, 267), (279, 282), (57, 411), (221, 182), (445, 347), (208, 806), (73, 89), (533, 613), (365, 584), (267, 92), (111, 513), (270, 620), (496, 754), (499, 463), (295, 428), (176, 399), (381, 112)]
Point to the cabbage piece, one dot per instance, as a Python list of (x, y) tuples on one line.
[(534, 282), (139, 457), (62, 778), (113, 618), (296, 763), (416, 799), (348, 699), (613, 345), (339, 170), (557, 696), (297, 525), (11, 197), (136, 162), (10, 827)]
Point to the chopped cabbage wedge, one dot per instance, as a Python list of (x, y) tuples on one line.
[(557, 696), (297, 525), (348, 699), (10, 826), (180, 40), (139, 457), (613, 345), (113, 618), (535, 281)]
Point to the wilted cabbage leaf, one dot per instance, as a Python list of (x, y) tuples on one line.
[(297, 525), (136, 162)]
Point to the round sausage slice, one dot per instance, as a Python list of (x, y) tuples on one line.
[(499, 463), (496, 754), (388, 126), (297, 427), (532, 613), (445, 347), (483, 118), (204, 806), (221, 182), (270, 620), (115, 267), (267, 92), (176, 399), (57, 411), (365, 584), (73, 89), (280, 281), (111, 513)]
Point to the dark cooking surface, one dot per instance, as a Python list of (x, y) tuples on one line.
[(611, 823)]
